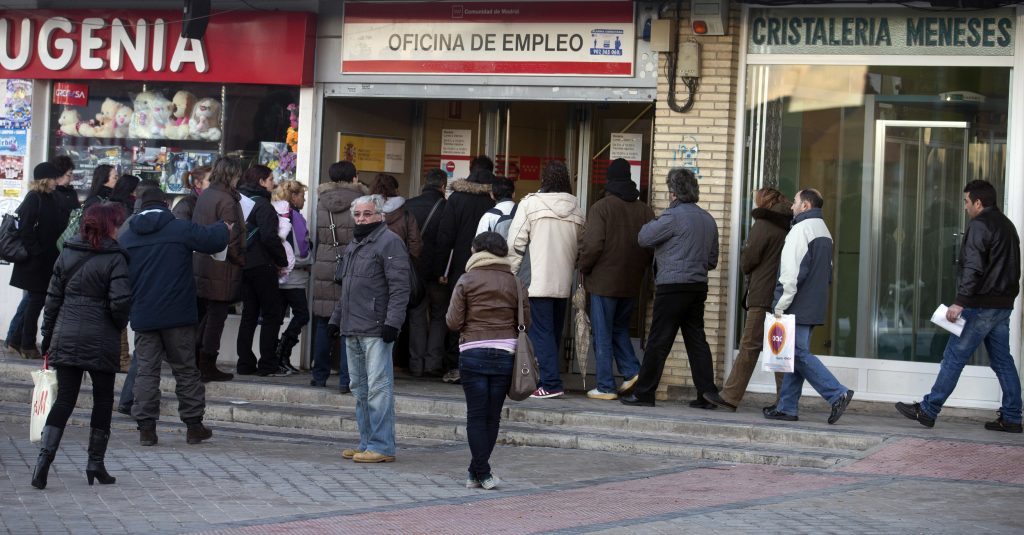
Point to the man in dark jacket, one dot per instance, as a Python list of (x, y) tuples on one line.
[(427, 329), (987, 284), (613, 264), (685, 242), (470, 199), (374, 295), (805, 273), (164, 314), (264, 256)]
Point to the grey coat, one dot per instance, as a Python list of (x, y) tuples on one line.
[(375, 287), (685, 241), (333, 198)]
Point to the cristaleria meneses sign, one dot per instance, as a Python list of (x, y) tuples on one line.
[(239, 47)]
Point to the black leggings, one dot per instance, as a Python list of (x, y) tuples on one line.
[(69, 383)]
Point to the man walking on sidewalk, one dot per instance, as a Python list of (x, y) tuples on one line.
[(374, 296), (164, 314), (805, 273), (987, 284)]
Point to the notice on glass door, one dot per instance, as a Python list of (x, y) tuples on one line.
[(629, 147), (455, 152)]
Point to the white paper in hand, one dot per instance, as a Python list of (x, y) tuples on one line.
[(939, 318)]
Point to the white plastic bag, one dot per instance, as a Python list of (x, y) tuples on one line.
[(43, 395), (778, 347)]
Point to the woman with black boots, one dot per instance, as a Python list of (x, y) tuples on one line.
[(290, 198), (87, 306)]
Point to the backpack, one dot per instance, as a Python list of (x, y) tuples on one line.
[(504, 221)]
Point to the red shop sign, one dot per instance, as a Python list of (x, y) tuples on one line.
[(70, 94), (239, 46)]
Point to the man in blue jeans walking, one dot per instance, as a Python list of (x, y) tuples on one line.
[(805, 274), (987, 285)]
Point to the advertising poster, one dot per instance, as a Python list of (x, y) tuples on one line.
[(372, 154), (15, 119), (16, 104), (455, 152), (629, 147), (178, 164)]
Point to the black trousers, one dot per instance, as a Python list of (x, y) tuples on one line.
[(675, 310), (260, 299), (295, 299), (69, 383), (25, 335), (211, 326)]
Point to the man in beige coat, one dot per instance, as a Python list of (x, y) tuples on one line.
[(544, 240)]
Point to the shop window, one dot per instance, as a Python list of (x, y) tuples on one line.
[(896, 227), (163, 130)]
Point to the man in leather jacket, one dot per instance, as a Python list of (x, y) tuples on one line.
[(987, 285)]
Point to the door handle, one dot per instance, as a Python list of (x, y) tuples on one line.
[(957, 239)]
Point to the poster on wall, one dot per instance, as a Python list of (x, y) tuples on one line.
[(177, 166), (16, 104), (372, 154), (455, 152), (629, 147), (15, 119)]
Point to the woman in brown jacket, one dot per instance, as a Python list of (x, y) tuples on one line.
[(483, 309), (399, 220), (218, 281), (759, 261)]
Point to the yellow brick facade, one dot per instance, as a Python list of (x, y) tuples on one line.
[(710, 124)]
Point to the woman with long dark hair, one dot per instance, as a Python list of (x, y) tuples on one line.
[(87, 306), (104, 177), (124, 192), (484, 310)]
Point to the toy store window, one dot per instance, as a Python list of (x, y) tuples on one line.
[(163, 130)]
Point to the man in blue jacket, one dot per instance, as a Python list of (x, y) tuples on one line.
[(164, 314), (805, 273)]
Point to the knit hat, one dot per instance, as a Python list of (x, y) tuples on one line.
[(152, 196), (619, 170), (45, 170)]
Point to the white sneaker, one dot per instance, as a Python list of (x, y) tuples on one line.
[(628, 384), (491, 482), (540, 393), (597, 394)]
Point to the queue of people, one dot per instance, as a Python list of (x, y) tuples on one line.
[(487, 266)]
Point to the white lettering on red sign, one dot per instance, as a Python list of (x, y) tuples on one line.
[(59, 41)]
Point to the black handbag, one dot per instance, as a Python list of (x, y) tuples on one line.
[(12, 249)]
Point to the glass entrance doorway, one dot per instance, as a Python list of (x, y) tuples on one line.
[(920, 172)]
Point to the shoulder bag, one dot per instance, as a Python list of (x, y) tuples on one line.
[(12, 248), (525, 374), (339, 271)]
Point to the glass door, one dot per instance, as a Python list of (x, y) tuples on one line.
[(920, 168)]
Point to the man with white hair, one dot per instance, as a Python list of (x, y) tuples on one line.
[(374, 296)]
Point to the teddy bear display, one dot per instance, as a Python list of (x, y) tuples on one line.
[(71, 124), (140, 124), (205, 121), (122, 122), (160, 112), (182, 105), (104, 123)]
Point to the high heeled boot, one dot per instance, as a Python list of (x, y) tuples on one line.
[(47, 452), (94, 469)]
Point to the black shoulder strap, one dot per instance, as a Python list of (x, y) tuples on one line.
[(70, 273)]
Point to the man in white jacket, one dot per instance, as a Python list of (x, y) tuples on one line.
[(546, 231)]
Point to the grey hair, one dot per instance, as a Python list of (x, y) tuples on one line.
[(377, 200), (683, 184)]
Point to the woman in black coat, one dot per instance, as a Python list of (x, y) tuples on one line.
[(42, 222), (87, 306), (104, 177)]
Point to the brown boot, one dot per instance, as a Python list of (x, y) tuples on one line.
[(208, 369)]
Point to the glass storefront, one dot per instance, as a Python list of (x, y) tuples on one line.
[(890, 149)]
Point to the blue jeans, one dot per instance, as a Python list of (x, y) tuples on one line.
[(809, 367), (609, 318), (547, 318), (486, 375), (322, 344), (14, 330), (128, 388), (991, 326), (373, 385)]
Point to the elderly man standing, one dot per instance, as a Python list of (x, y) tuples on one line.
[(685, 242), (374, 296)]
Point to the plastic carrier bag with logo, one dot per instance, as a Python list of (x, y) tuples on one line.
[(777, 353), (43, 396)]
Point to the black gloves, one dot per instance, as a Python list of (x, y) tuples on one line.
[(389, 334), (333, 330)]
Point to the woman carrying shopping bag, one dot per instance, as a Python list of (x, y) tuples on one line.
[(87, 306), (483, 310)]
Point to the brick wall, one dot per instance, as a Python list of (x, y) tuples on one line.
[(710, 124)]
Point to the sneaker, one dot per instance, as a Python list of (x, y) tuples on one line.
[(372, 457), (597, 394), (349, 453), (452, 377), (914, 412), (627, 385), (716, 399), (774, 414), (540, 393), (491, 482), (1002, 425), (472, 483), (839, 407)]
